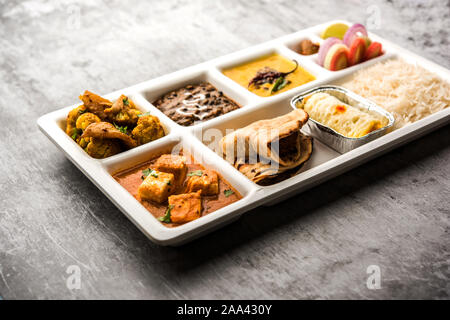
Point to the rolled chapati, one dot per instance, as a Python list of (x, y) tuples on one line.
[(275, 139), (267, 174), (268, 151)]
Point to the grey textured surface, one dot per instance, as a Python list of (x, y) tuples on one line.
[(393, 211)]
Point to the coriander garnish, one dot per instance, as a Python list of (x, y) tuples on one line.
[(145, 173), (198, 173), (154, 174), (122, 129), (125, 101), (148, 172), (144, 114), (166, 217), (75, 133), (228, 192)]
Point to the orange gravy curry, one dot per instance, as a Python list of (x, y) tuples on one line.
[(131, 179)]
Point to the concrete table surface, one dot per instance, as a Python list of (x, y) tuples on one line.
[(393, 212)]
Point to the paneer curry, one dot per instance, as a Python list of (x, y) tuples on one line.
[(104, 128), (176, 189)]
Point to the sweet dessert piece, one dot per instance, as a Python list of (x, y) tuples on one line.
[(326, 45), (374, 50), (336, 58), (185, 207), (355, 48), (157, 186), (307, 47), (357, 51), (205, 180), (195, 103)]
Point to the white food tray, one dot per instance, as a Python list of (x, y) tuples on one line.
[(324, 163)]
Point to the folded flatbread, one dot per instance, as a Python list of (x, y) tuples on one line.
[(280, 147), (265, 173), (263, 137)]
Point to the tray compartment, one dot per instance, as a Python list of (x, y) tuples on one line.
[(265, 51), (211, 134), (308, 62), (61, 117), (57, 121), (201, 154), (292, 42), (153, 92), (316, 34)]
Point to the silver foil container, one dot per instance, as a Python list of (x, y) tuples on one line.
[(329, 136)]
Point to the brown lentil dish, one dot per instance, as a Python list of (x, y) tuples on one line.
[(195, 103)]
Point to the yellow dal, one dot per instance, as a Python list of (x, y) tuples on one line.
[(243, 73)]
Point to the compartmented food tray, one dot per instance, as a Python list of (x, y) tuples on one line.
[(324, 162)]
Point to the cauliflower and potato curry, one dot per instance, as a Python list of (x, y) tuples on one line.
[(104, 128)]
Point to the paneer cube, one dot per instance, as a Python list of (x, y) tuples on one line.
[(157, 186), (185, 207), (208, 182), (173, 164)]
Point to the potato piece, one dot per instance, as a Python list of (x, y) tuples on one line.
[(185, 207), (72, 118), (99, 148), (173, 164), (148, 128), (84, 142), (123, 112), (157, 186), (208, 182), (86, 119)]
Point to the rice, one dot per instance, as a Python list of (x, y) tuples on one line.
[(409, 92)]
